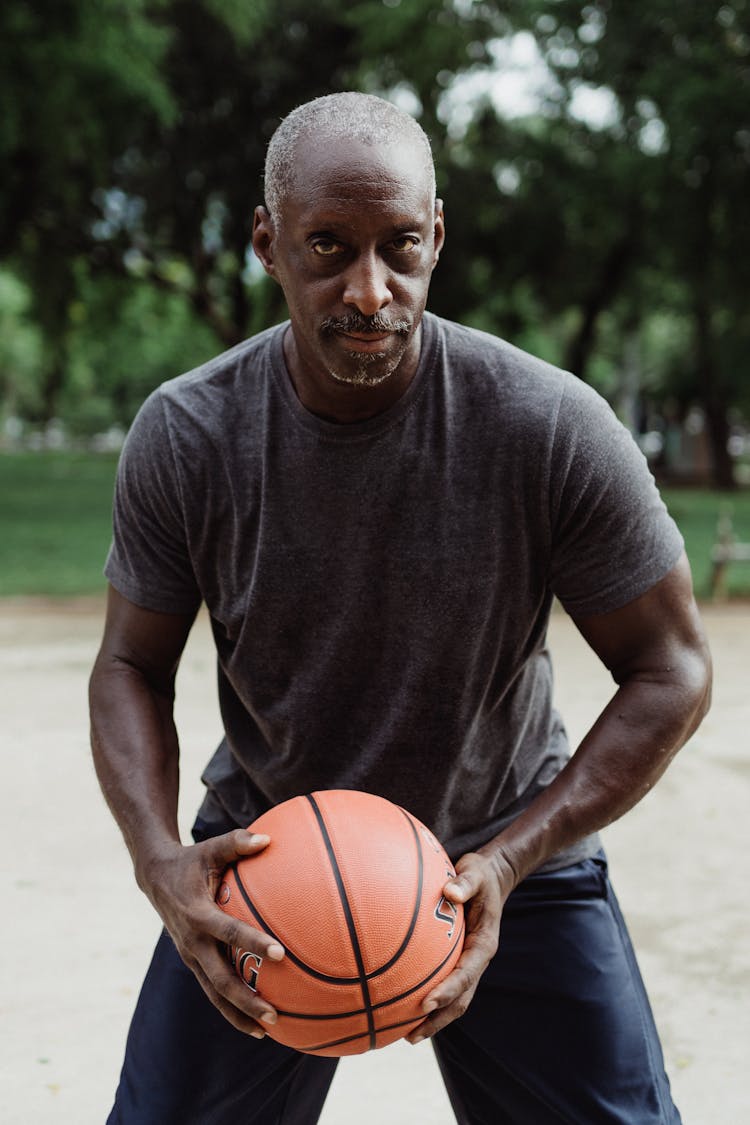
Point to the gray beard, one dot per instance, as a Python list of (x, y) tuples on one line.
[(362, 376)]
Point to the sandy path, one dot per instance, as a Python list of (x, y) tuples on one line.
[(77, 933)]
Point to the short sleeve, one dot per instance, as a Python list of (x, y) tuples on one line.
[(149, 559), (612, 537)]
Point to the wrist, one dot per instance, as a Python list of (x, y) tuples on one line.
[(149, 861)]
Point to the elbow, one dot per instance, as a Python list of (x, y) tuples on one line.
[(114, 672), (698, 685), (97, 690), (707, 695)]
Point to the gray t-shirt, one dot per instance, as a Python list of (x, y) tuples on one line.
[(379, 592)]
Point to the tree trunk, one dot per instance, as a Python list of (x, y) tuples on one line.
[(601, 296), (51, 309), (628, 401), (713, 400), (52, 385)]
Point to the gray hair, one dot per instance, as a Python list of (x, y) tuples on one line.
[(344, 116)]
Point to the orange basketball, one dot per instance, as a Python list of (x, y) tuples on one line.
[(352, 887)]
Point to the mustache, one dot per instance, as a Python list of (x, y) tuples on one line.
[(355, 322)]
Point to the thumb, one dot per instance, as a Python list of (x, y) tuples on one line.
[(461, 887), (223, 850), (468, 880)]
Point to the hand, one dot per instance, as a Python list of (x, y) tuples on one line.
[(484, 884), (182, 883)]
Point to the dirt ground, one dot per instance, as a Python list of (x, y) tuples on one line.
[(77, 933)]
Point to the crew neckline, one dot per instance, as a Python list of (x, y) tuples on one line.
[(354, 431)]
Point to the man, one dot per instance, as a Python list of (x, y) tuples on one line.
[(377, 507)]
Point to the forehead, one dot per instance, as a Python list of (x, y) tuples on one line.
[(350, 179)]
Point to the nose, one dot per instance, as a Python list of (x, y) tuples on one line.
[(366, 285)]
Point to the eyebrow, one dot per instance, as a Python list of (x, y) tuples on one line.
[(343, 230)]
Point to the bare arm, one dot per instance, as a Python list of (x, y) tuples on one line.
[(656, 650), (658, 656), (136, 755), (132, 728)]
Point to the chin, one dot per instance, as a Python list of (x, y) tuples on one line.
[(366, 369), (364, 374)]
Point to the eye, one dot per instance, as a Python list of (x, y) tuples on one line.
[(325, 247), (404, 243)]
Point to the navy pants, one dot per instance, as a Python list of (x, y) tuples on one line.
[(560, 1030)]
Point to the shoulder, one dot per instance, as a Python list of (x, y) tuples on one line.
[(473, 346), (241, 368), (525, 389), (209, 402), (472, 352)]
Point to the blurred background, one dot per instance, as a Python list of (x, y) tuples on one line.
[(594, 161)]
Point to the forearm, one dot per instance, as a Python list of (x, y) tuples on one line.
[(619, 760), (621, 757), (136, 757)]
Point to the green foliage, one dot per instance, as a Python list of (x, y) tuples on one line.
[(679, 76), (125, 339), (97, 62), (21, 349), (55, 514), (78, 79)]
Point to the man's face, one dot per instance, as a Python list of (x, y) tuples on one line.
[(358, 238)]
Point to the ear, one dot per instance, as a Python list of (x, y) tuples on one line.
[(263, 240), (439, 231)]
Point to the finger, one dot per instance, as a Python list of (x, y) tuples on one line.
[(240, 1019), (231, 931), (220, 851), (447, 1006), (227, 988), (463, 978), (480, 947), (438, 1020)]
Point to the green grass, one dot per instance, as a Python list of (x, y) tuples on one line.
[(696, 512), (55, 524)]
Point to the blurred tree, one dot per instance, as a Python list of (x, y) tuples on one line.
[(680, 74), (76, 79), (124, 339), (555, 228), (21, 349)]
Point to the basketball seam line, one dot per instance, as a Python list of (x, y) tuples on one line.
[(353, 937), (417, 902), (315, 973), (352, 1038), (271, 933), (381, 1003)]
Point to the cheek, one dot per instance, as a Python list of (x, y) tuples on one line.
[(303, 296), (411, 291), (310, 306)]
